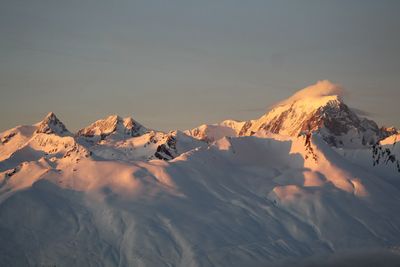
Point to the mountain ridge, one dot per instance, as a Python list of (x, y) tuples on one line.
[(317, 108), (119, 194)]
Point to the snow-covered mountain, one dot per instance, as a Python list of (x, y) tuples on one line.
[(317, 108), (51, 125), (115, 138), (113, 127), (48, 138), (213, 132), (300, 181)]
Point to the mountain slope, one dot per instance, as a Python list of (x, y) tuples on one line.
[(302, 180), (242, 201)]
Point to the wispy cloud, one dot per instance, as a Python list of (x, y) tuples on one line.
[(320, 89)]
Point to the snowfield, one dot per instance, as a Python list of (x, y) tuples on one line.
[(118, 194)]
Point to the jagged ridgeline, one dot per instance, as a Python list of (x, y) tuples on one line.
[(308, 177), (317, 109)]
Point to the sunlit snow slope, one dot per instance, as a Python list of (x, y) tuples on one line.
[(118, 194)]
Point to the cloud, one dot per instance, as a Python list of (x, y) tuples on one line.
[(320, 89)]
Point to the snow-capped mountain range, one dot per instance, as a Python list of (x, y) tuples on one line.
[(308, 177), (305, 112)]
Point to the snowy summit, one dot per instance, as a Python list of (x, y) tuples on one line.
[(309, 177)]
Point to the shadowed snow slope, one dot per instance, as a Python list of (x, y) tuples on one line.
[(307, 179), (245, 201)]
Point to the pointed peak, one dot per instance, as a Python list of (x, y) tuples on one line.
[(51, 115), (51, 125)]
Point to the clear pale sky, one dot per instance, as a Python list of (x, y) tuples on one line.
[(178, 64)]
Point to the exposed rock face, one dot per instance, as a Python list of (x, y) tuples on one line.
[(384, 155), (52, 125), (329, 116), (318, 108), (168, 150)]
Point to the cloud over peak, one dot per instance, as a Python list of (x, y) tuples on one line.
[(320, 89)]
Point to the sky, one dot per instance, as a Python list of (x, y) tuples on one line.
[(179, 64)]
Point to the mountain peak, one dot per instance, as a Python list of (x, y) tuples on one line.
[(51, 115), (113, 124), (51, 125), (317, 108)]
